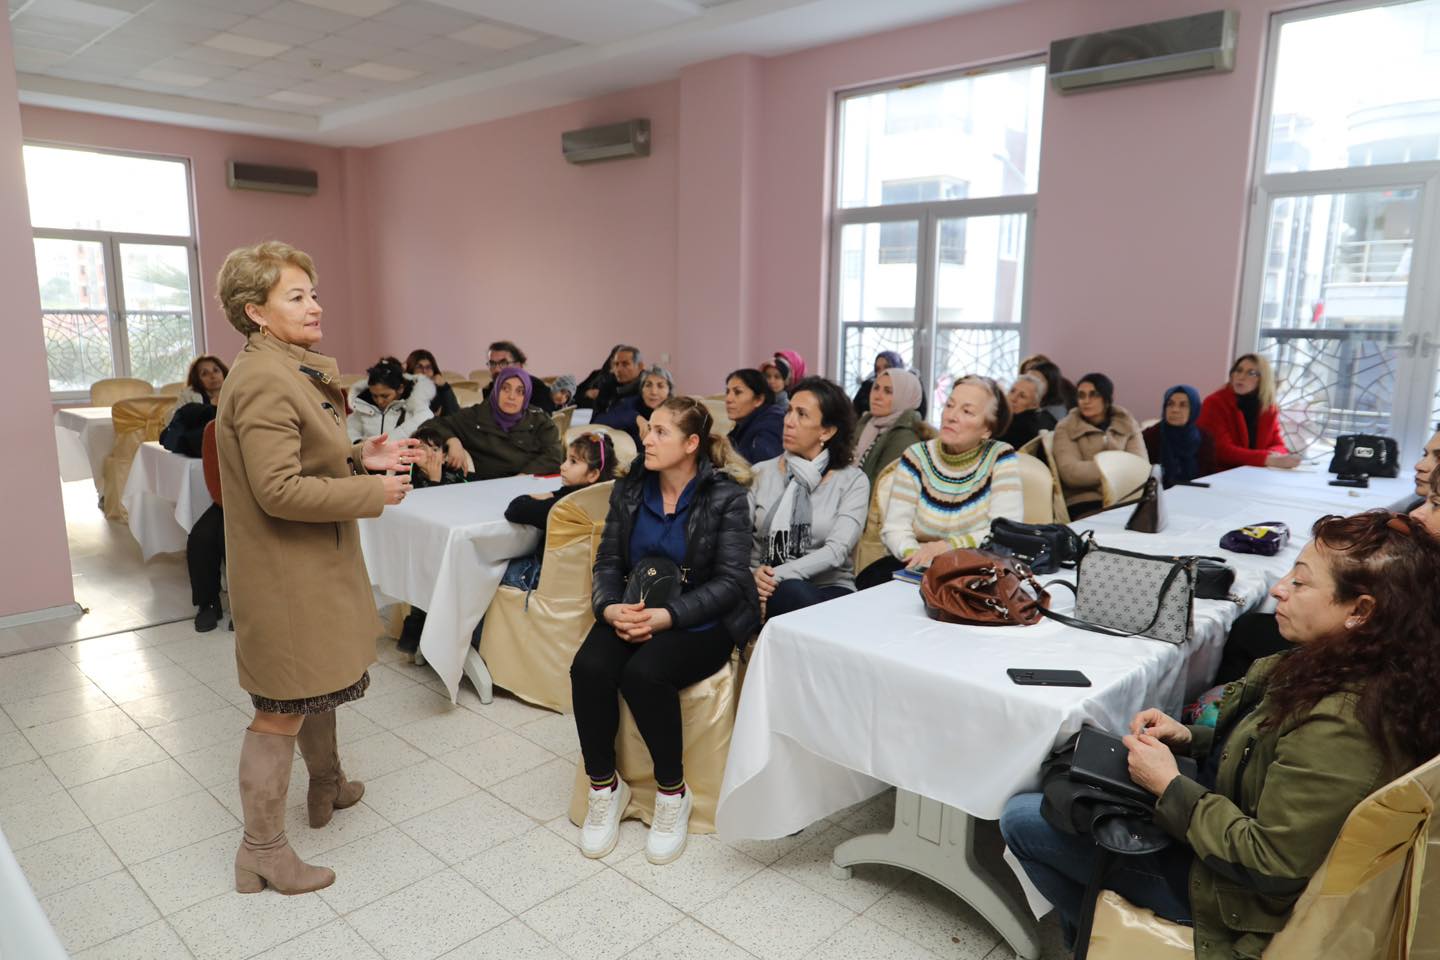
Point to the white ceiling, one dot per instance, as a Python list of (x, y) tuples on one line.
[(363, 72)]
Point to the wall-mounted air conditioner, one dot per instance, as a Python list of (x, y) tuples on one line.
[(610, 142), (1204, 43), (259, 176)]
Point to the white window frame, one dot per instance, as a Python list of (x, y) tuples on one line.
[(928, 214), (110, 242), (1420, 338)]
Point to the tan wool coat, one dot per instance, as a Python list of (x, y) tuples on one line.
[(294, 485), (1076, 442)]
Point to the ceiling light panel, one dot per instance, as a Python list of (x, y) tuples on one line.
[(583, 20), (80, 12), (492, 36), (429, 18), (309, 17), (246, 46), (356, 8), (276, 32), (382, 71), (68, 29)]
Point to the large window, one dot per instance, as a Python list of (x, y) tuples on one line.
[(1347, 196), (116, 257), (935, 192)]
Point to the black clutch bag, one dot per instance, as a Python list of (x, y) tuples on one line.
[(654, 581), (1043, 547), (1360, 454)]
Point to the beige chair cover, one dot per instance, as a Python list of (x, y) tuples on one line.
[(480, 376), (1047, 445), (468, 398), (625, 449), (1122, 474), (1031, 446), (1039, 490), (528, 643), (716, 406), (137, 421), (169, 389), (1376, 896), (562, 419), (452, 375), (871, 547), (104, 393), (707, 711), (466, 385)]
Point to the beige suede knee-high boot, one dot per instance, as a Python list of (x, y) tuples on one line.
[(329, 790), (265, 856)]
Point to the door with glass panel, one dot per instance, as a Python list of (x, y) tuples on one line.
[(1344, 225), (935, 192)]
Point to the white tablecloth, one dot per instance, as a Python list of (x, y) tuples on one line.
[(444, 550), (164, 496), (845, 697), (84, 436)]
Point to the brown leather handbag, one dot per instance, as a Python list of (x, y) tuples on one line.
[(984, 589)]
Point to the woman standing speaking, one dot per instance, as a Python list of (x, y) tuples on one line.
[(294, 484)]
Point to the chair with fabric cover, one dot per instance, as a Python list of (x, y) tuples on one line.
[(870, 547), (530, 638), (1047, 447), (169, 389), (707, 716), (104, 393), (481, 376), (625, 449), (1374, 897), (1031, 446), (550, 381), (210, 463), (1147, 424), (716, 406), (1122, 475), (1038, 488), (466, 385), (452, 375), (562, 419), (137, 420), (347, 380), (468, 398)]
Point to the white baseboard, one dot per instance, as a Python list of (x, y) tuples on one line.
[(40, 616)]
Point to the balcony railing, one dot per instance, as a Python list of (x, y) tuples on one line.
[(1371, 261), (79, 348)]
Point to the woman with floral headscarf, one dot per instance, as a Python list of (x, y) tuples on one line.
[(502, 435)]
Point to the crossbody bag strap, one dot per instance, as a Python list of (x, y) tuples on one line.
[(1111, 631)]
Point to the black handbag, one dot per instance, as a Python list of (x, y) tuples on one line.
[(1149, 513), (1365, 455), (1214, 579), (1043, 547), (654, 581)]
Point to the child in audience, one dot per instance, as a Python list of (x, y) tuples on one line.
[(431, 470), (562, 391), (589, 459)]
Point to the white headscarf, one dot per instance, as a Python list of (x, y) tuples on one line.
[(908, 393)]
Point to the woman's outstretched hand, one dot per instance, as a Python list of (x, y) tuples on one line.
[(381, 453)]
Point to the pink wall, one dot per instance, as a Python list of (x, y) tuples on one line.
[(227, 218), (486, 233), (1141, 215), (37, 571)]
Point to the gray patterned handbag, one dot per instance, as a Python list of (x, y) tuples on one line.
[(1127, 594)]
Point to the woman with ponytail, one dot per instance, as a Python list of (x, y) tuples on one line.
[(684, 500)]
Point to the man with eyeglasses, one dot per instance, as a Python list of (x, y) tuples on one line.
[(504, 353)]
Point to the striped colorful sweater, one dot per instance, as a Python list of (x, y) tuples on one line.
[(936, 496)]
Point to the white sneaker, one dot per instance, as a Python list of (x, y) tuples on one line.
[(601, 830), (670, 829)]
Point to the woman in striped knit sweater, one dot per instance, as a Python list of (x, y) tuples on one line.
[(947, 490)]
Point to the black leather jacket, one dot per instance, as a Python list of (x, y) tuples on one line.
[(718, 583)]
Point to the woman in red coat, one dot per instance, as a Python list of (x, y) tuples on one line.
[(1244, 420)]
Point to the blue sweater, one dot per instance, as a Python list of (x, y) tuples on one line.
[(758, 437), (657, 533)]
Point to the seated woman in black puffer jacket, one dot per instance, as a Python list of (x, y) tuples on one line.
[(685, 500)]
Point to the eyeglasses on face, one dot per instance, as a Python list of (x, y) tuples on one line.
[(1251, 374)]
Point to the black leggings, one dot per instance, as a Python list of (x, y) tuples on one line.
[(204, 552), (650, 675)]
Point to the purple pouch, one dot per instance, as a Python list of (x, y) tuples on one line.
[(1266, 539)]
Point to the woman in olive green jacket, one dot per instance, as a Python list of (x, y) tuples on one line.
[(1299, 742), (503, 435), (893, 424)]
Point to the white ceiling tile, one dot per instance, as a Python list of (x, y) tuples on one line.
[(358, 8), (340, 87), (70, 29), (329, 60), (429, 18), (349, 48), (386, 35), (155, 28), (171, 78), (382, 71), (31, 60), (190, 12), (287, 69), (213, 55), (309, 17), (258, 80), (246, 8), (275, 32), (201, 68), (39, 41), (446, 50), (584, 20), (80, 12), (130, 6), (492, 36), (247, 46), (299, 99)]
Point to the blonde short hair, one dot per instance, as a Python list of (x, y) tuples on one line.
[(1266, 388), (250, 273)]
